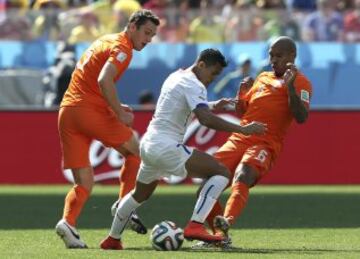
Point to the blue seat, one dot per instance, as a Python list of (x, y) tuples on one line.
[(33, 55), (346, 89)]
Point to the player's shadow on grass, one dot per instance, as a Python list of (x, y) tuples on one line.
[(238, 250), (325, 210), (298, 251)]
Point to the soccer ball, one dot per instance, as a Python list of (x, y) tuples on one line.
[(166, 236)]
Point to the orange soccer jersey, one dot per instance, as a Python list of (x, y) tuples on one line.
[(84, 114), (84, 88), (267, 102)]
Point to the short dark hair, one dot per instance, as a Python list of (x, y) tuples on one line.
[(212, 56), (142, 16)]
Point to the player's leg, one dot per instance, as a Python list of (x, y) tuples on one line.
[(229, 155), (126, 207), (130, 151), (113, 133), (75, 147), (202, 165), (255, 163)]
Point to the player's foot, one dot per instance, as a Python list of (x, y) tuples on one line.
[(221, 226), (110, 243), (69, 235), (134, 222), (197, 231)]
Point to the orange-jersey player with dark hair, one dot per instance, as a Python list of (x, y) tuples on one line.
[(91, 110), (275, 98)]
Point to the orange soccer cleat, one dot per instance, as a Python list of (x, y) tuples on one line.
[(110, 243), (197, 231)]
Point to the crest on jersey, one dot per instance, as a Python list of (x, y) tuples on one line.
[(121, 57), (305, 96)]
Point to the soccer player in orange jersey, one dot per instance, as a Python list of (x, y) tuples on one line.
[(275, 98), (91, 110)]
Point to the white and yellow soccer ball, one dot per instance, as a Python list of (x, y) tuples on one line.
[(166, 236)]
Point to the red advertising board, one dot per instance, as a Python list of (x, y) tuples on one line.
[(322, 151)]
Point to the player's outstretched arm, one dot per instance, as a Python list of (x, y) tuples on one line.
[(210, 120)]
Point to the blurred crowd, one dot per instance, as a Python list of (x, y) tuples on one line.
[(192, 21)]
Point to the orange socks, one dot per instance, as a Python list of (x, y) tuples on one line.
[(128, 174), (216, 210), (74, 202), (237, 201)]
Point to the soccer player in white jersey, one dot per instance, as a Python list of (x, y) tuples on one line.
[(163, 152)]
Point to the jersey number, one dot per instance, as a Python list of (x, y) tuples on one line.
[(83, 61)]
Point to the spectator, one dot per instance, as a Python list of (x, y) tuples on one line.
[(86, 31), (352, 24), (229, 84), (107, 10), (266, 4), (46, 25), (325, 24), (177, 21), (245, 23), (15, 25), (281, 23), (301, 5), (121, 10), (208, 27), (146, 100)]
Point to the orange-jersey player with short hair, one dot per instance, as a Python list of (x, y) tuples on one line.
[(275, 99), (90, 110)]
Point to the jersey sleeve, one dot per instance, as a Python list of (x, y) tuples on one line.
[(303, 89), (121, 58), (195, 96)]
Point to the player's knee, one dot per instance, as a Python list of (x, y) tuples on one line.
[(246, 178)]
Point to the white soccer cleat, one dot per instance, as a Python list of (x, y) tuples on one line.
[(134, 222), (69, 235)]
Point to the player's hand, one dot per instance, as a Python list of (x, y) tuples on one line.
[(254, 127), (126, 117), (290, 74), (126, 107), (224, 104), (245, 86)]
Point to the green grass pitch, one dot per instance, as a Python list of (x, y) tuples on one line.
[(279, 222)]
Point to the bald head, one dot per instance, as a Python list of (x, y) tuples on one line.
[(285, 44), (282, 51)]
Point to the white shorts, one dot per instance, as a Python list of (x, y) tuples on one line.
[(162, 159)]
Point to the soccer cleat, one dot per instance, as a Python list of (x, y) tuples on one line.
[(134, 222), (221, 226), (69, 235), (110, 243), (197, 231)]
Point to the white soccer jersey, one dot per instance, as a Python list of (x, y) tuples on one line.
[(180, 94)]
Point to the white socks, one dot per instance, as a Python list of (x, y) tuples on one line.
[(126, 207), (208, 196)]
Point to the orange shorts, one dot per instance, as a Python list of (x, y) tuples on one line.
[(233, 152), (78, 126)]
